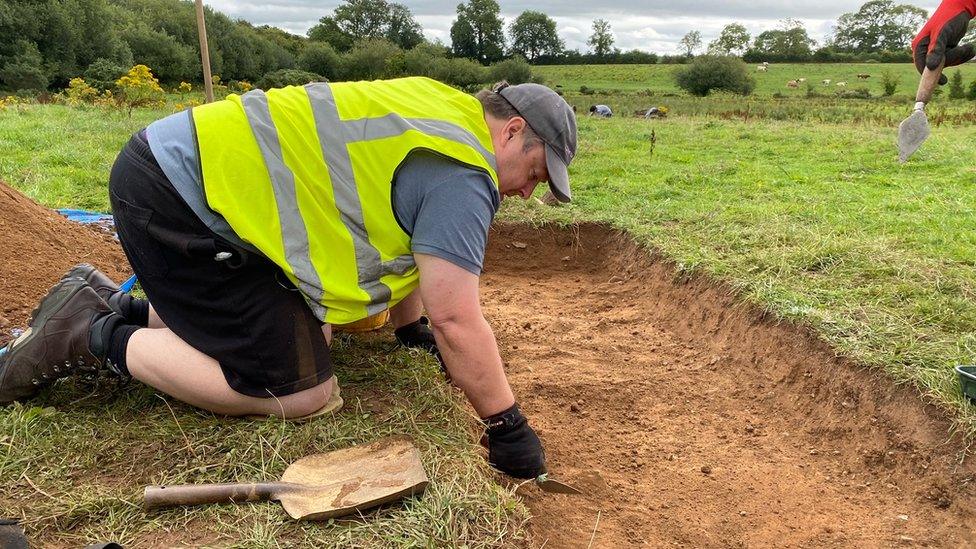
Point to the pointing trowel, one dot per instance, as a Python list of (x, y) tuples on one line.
[(915, 129)]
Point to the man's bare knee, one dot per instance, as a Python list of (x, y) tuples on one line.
[(305, 402)]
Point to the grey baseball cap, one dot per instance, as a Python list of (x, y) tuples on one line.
[(554, 121)]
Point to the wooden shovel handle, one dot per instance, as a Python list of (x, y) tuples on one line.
[(196, 494), (930, 78)]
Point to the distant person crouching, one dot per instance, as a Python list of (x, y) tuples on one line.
[(602, 111)]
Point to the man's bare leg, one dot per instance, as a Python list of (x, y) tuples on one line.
[(160, 359), (407, 310), (154, 320)]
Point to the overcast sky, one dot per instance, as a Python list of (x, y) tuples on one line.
[(650, 25)]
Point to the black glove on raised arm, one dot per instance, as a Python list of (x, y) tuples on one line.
[(513, 447)]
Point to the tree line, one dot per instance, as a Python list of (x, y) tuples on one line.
[(48, 42)]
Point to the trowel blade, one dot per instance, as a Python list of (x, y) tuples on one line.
[(911, 133), (550, 485)]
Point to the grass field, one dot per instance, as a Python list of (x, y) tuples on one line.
[(812, 219), (658, 78)]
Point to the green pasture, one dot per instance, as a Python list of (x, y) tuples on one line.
[(657, 79), (810, 218)]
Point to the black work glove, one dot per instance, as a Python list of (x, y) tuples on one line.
[(938, 40), (513, 447), (418, 335)]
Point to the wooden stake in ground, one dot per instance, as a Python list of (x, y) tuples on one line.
[(204, 53)]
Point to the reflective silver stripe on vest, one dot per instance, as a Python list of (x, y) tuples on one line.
[(334, 136), (369, 265), (391, 125), (283, 184)]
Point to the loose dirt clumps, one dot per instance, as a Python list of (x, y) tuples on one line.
[(690, 420), (37, 246)]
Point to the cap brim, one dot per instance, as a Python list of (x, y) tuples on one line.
[(558, 175)]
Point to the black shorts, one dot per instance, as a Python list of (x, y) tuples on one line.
[(241, 311)]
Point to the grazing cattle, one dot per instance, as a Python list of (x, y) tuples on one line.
[(842, 84), (864, 76), (765, 63), (792, 84), (762, 68), (826, 82), (801, 80)]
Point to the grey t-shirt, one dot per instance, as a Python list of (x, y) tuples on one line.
[(446, 207)]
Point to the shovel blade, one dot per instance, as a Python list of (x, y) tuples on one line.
[(912, 132), (345, 481)]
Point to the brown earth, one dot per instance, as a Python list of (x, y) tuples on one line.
[(692, 421), (37, 246), (688, 418)]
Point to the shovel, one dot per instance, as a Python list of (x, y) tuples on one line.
[(915, 129), (319, 486)]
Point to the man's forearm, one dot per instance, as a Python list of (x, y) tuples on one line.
[(471, 354)]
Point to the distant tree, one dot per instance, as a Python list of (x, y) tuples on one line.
[(463, 41), (164, 54), (327, 30), (291, 42), (889, 82), (956, 90), (514, 71), (733, 40), (877, 26), (25, 70), (690, 42), (402, 29), (533, 34), (422, 60), (320, 58), (789, 42), (371, 59), (479, 30), (602, 38), (356, 20), (707, 73)]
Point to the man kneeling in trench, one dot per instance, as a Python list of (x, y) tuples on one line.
[(256, 222)]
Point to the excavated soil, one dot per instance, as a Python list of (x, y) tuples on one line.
[(688, 418), (37, 246), (691, 421)]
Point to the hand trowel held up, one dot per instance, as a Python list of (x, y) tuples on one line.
[(915, 129)]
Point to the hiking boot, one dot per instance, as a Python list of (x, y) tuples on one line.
[(57, 344), (99, 281), (123, 303)]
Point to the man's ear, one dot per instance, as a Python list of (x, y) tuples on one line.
[(514, 126)]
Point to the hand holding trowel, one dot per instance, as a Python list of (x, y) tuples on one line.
[(935, 48)]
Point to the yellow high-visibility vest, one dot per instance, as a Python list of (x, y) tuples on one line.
[(305, 175)]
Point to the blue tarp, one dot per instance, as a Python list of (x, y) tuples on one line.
[(85, 216)]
